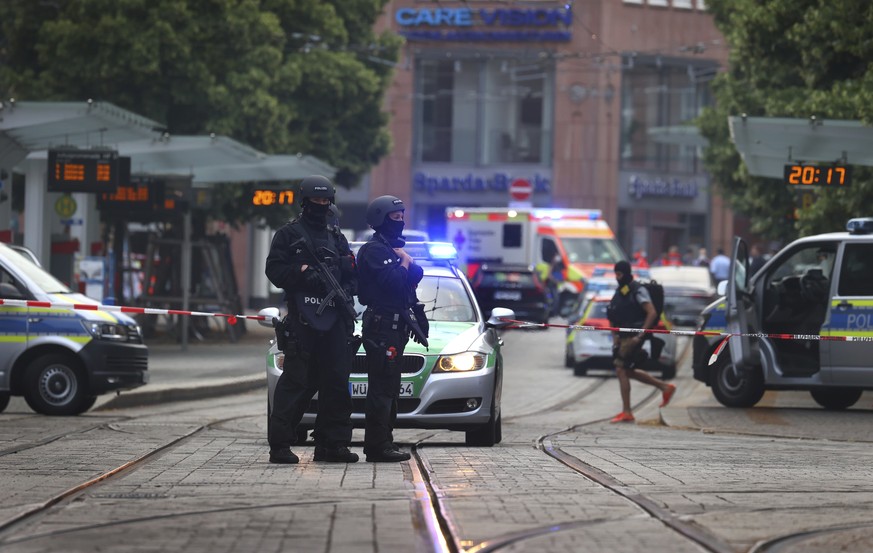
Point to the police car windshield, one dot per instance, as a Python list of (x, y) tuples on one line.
[(592, 250), (45, 281), (445, 299)]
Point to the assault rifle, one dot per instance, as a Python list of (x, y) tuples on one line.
[(335, 290)]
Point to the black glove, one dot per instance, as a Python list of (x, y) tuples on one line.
[(421, 318), (347, 264), (313, 282)]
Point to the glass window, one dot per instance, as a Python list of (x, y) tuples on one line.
[(512, 235), (592, 250), (484, 112), (657, 95), (445, 299), (855, 271), (447, 107)]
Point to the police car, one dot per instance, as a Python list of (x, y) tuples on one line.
[(456, 383), (817, 285), (61, 359)]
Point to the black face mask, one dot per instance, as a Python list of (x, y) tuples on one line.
[(392, 230), (624, 280), (314, 213)]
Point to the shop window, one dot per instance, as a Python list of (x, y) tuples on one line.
[(484, 112), (658, 96)]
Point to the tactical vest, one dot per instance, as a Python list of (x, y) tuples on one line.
[(624, 310)]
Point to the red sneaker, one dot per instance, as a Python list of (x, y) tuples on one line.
[(623, 417), (667, 395)]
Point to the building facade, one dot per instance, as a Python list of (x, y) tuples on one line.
[(576, 104)]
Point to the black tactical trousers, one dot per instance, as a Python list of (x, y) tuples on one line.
[(320, 363), (384, 348)]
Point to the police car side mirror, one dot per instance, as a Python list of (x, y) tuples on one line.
[(499, 316), (721, 288), (269, 313), (10, 292)]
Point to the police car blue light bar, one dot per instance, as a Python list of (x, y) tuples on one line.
[(442, 250), (863, 225)]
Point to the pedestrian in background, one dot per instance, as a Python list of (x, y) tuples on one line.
[(702, 259), (317, 331), (720, 266), (756, 259), (388, 280), (631, 307)]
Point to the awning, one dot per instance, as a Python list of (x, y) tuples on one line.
[(766, 144), (29, 129), (31, 126)]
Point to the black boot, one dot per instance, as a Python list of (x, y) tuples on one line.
[(283, 456), (388, 455), (334, 455)]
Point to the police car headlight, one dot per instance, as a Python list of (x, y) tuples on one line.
[(114, 332), (461, 362)]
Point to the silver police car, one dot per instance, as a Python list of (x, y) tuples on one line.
[(454, 384)]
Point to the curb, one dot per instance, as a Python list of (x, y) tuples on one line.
[(197, 390)]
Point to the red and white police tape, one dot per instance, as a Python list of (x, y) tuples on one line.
[(231, 319), (721, 345)]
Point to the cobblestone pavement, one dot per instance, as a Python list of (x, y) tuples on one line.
[(215, 491)]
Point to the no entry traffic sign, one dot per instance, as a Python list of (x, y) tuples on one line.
[(520, 190)]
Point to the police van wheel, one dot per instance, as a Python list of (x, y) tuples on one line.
[(55, 385), (836, 399), (4, 401), (736, 389)]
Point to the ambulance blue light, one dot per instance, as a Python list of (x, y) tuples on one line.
[(862, 225), (442, 250)]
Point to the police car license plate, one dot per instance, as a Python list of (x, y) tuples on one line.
[(507, 295), (359, 389)]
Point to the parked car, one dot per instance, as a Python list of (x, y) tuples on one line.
[(687, 290), (26, 252), (514, 286), (805, 319), (61, 359), (592, 349), (455, 384)]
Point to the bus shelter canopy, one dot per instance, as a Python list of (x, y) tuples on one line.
[(767, 144)]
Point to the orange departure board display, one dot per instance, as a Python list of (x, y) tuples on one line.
[(75, 170)]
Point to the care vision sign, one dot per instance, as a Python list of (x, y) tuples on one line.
[(470, 24)]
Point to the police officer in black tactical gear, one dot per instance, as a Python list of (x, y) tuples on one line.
[(318, 332), (387, 281)]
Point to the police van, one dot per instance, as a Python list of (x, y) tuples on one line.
[(819, 285), (61, 359)]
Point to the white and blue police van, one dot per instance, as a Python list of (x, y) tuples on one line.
[(58, 358), (811, 307)]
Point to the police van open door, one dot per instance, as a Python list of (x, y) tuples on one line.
[(740, 307), (738, 380)]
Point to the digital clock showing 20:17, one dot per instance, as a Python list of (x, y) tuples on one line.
[(268, 197), (818, 175)]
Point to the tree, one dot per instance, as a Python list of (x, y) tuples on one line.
[(284, 76), (790, 58)]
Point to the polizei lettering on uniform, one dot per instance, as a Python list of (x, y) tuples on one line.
[(313, 300)]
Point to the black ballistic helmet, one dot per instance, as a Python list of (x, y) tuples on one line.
[(316, 186), (382, 206)]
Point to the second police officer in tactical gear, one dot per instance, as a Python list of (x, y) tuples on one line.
[(388, 278), (318, 328)]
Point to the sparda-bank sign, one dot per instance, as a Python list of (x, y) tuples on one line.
[(499, 24)]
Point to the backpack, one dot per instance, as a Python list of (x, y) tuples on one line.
[(656, 292)]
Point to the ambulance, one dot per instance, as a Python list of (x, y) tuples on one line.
[(506, 235)]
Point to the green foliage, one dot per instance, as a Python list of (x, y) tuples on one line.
[(284, 76), (790, 58)]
